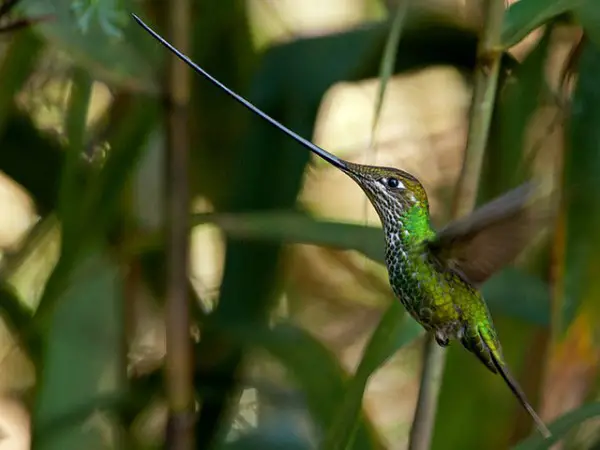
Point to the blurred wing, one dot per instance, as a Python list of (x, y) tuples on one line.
[(482, 243)]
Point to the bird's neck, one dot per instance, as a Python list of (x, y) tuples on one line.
[(410, 227)]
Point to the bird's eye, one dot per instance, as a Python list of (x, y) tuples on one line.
[(393, 182)]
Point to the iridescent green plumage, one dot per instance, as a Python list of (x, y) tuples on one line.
[(435, 274)]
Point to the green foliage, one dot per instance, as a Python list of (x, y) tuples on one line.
[(112, 54), (391, 334), (525, 16), (561, 427), (85, 333), (252, 175), (105, 13), (582, 216)]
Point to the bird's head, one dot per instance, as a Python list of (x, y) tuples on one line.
[(392, 191)]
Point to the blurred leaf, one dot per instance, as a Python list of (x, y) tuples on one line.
[(102, 199), (70, 195), (128, 143), (13, 310), (17, 316), (505, 165), (271, 439), (574, 353), (316, 370), (529, 302), (588, 14), (395, 330), (560, 428), (581, 214), (17, 65), (524, 16), (77, 414), (389, 58), (119, 61), (104, 13), (292, 227), (81, 358)]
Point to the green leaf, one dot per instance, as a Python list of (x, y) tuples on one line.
[(525, 16), (290, 227), (128, 143), (116, 60), (505, 164), (18, 62), (388, 61), (17, 316), (560, 428), (511, 292), (588, 14), (579, 284), (81, 357), (102, 200), (316, 370), (70, 196), (394, 331)]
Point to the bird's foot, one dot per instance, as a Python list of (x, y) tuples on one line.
[(442, 339)]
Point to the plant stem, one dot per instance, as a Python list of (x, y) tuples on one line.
[(482, 106), (179, 365)]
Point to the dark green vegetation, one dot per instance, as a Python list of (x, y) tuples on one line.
[(111, 251)]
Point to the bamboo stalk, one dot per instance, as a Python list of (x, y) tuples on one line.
[(179, 364), (482, 106)]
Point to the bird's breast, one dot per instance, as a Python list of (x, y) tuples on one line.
[(430, 296)]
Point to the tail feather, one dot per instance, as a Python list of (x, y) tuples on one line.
[(477, 344), (516, 389)]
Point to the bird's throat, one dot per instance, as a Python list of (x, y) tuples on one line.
[(409, 228)]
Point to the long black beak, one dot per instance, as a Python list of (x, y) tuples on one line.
[(334, 160)]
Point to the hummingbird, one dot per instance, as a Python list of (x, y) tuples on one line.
[(434, 274)]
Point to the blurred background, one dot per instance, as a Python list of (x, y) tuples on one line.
[(292, 315)]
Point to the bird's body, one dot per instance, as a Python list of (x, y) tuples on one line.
[(435, 274), (441, 299)]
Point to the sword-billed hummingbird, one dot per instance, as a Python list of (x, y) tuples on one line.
[(435, 274)]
